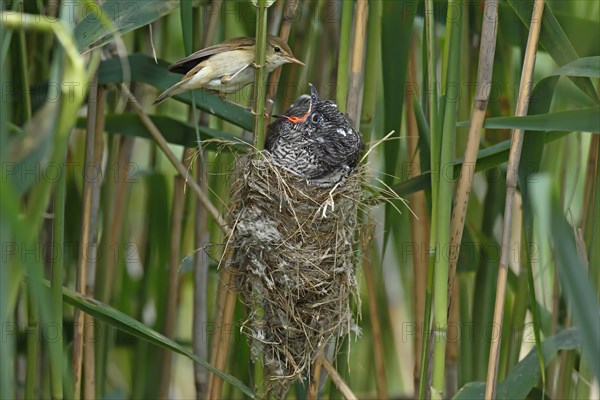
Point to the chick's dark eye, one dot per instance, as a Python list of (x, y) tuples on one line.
[(277, 49), (314, 118)]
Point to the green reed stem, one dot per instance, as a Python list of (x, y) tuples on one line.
[(58, 257), (445, 193), (259, 77), (259, 139), (343, 72), (432, 105), (33, 347), (25, 78), (372, 69)]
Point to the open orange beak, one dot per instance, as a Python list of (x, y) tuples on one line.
[(294, 60), (297, 120)]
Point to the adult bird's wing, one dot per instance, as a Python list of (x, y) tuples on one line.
[(183, 66)]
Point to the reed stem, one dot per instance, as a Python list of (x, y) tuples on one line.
[(432, 108), (260, 73), (56, 285), (343, 74), (440, 297), (354, 100), (289, 14), (484, 83), (525, 87), (173, 280)]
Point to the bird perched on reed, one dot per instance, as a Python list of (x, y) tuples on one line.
[(226, 67), (314, 140)]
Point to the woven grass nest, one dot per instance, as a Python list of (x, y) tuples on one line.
[(293, 256)]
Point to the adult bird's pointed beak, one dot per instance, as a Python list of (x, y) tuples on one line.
[(294, 60)]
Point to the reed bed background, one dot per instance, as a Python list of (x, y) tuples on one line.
[(483, 115)]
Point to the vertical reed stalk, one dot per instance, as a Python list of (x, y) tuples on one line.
[(200, 323), (289, 14), (78, 318), (525, 87), (32, 373), (372, 70), (89, 359), (201, 239), (354, 100), (211, 29), (367, 110), (451, 378), (7, 361), (315, 378), (567, 363), (432, 108), (344, 56), (519, 311), (593, 171), (56, 284), (482, 95), (589, 225), (259, 142), (553, 368), (25, 79), (173, 287), (418, 225), (440, 297), (276, 17), (309, 45), (119, 152), (223, 329), (377, 336), (98, 149), (432, 90), (465, 366), (122, 170), (226, 298), (259, 77), (87, 248)]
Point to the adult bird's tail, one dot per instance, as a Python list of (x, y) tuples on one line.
[(172, 91)]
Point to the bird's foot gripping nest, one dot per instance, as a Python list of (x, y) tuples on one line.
[(294, 264)]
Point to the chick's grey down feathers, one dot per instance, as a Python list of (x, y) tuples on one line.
[(318, 143)]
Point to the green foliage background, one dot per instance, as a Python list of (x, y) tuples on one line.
[(57, 56)]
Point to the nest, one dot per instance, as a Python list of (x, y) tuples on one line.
[(294, 259)]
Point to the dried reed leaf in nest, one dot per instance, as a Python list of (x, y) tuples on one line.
[(293, 258)]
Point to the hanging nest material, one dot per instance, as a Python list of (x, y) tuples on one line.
[(294, 260)]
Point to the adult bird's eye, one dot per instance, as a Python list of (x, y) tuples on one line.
[(277, 49), (314, 118)]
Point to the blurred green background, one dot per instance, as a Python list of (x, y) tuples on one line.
[(90, 203)]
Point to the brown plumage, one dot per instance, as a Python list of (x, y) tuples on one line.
[(226, 67)]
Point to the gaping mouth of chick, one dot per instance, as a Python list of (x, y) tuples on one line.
[(297, 120)]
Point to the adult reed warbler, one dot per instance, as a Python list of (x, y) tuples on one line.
[(226, 67)]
